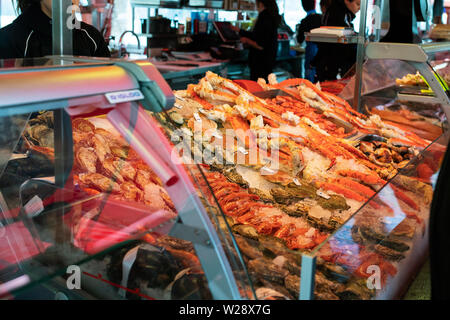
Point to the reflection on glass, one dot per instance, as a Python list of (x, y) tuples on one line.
[(377, 250)]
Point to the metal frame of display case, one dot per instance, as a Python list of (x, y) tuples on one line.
[(417, 56), (409, 52), (62, 86), (411, 264), (193, 212)]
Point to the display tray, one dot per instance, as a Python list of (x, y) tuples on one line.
[(347, 129), (276, 174), (427, 120), (387, 210), (331, 39)]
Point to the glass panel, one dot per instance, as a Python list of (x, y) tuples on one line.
[(199, 176), (378, 77), (388, 78), (394, 91), (375, 254), (333, 161), (427, 120), (236, 235), (440, 61), (112, 217)]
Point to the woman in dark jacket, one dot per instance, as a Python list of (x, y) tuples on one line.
[(263, 39), (30, 35), (334, 59)]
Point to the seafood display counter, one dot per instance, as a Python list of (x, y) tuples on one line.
[(211, 192), (324, 202), (89, 185)]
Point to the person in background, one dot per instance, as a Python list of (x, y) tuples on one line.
[(438, 10), (336, 59), (311, 21), (324, 5), (262, 40), (30, 34)]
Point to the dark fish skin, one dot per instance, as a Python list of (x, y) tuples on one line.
[(292, 283), (389, 253), (372, 236), (267, 270), (175, 243), (355, 290), (251, 251), (246, 231), (234, 176)]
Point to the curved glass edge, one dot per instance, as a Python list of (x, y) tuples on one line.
[(83, 227), (196, 173), (394, 76), (271, 269), (55, 230), (375, 253), (74, 234)]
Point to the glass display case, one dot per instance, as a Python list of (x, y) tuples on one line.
[(407, 85), (89, 185), (106, 171), (410, 72), (377, 252)]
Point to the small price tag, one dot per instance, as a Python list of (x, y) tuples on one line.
[(242, 150), (322, 194), (265, 171), (197, 117), (124, 96), (178, 106), (34, 207), (217, 135), (297, 182)]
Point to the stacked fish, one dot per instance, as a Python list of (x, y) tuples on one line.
[(320, 179)]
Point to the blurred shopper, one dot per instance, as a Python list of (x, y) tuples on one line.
[(336, 59), (324, 5), (400, 22), (311, 21), (438, 233), (438, 11), (263, 39), (30, 34)]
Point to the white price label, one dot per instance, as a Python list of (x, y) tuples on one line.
[(197, 117), (323, 194), (266, 171), (217, 135), (242, 150), (178, 106), (297, 182), (124, 96), (34, 207)]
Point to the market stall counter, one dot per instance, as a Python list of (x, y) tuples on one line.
[(89, 182), (210, 192)]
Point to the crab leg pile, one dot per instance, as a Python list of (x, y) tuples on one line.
[(247, 209), (305, 142), (323, 176)]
